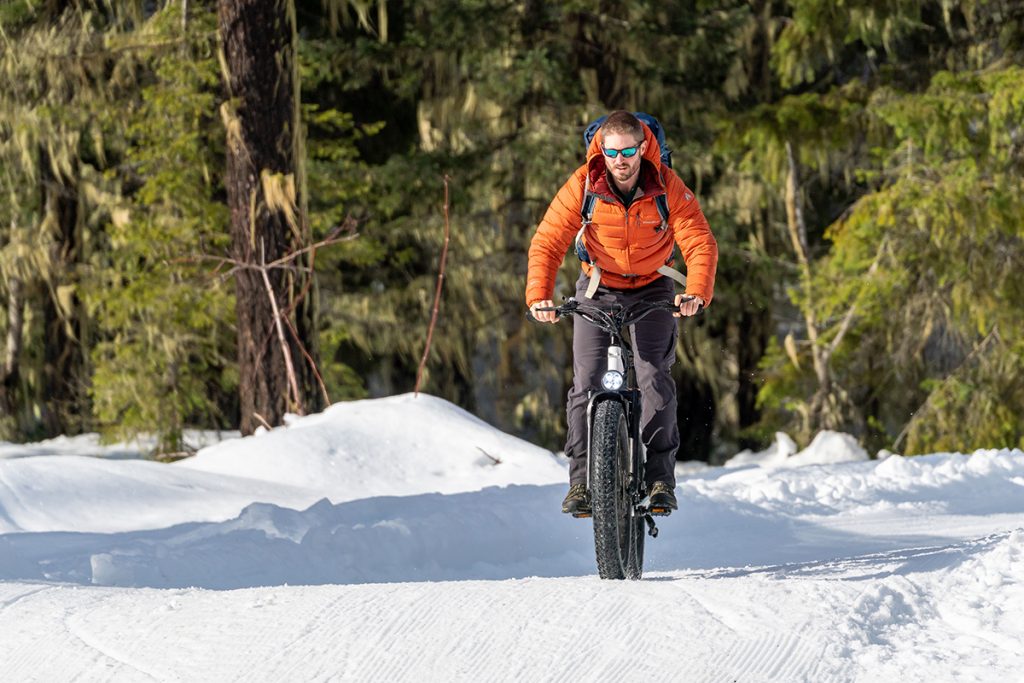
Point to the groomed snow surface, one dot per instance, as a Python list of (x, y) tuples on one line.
[(402, 539)]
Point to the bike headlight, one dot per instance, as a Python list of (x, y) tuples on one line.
[(612, 380)]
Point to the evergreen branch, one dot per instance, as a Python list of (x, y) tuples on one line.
[(844, 327), (993, 334)]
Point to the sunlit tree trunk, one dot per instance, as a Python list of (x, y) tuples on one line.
[(10, 370), (64, 385)]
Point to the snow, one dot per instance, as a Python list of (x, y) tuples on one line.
[(90, 445), (826, 448), (404, 539), (389, 446)]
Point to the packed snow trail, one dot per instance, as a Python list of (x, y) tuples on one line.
[(946, 614), (441, 555)]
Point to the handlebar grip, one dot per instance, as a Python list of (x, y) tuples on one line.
[(700, 307), (530, 316)]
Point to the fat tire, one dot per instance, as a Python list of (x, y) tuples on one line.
[(616, 542)]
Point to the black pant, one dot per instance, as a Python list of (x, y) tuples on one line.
[(654, 351)]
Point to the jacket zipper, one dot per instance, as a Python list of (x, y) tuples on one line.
[(629, 265)]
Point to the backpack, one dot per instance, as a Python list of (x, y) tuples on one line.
[(589, 199)]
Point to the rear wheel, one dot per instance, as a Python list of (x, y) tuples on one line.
[(618, 536)]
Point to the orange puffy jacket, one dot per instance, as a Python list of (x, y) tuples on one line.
[(625, 244)]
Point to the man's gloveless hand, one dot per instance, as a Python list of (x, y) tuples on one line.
[(688, 305), (544, 316)]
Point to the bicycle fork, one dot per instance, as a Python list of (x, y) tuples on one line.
[(619, 382)]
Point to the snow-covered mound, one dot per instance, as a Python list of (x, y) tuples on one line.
[(402, 445), (826, 448), (78, 493), (774, 455), (89, 445), (399, 445)]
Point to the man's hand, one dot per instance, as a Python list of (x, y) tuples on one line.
[(688, 305), (544, 316)]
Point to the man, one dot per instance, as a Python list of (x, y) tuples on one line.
[(627, 242)]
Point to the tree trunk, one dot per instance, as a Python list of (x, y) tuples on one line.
[(754, 331), (264, 186), (823, 412), (12, 353), (64, 384)]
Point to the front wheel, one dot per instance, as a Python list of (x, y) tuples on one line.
[(618, 535)]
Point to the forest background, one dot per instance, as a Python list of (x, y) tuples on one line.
[(860, 163)]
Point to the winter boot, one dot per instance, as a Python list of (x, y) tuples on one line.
[(663, 499), (577, 501)]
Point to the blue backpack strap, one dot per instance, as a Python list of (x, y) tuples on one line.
[(662, 203), (586, 218)]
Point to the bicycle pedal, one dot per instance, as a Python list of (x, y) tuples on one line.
[(661, 512)]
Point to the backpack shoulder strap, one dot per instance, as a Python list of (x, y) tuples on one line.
[(662, 203), (586, 218), (587, 207)]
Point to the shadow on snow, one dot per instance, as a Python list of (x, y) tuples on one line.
[(496, 533)]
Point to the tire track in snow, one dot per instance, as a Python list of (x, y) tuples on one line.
[(11, 602), (396, 626), (82, 634), (776, 656), (71, 652), (308, 641), (22, 658)]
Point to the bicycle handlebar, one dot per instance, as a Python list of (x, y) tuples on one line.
[(614, 318)]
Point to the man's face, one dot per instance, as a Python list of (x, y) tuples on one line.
[(625, 170)]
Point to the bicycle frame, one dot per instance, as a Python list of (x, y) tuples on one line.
[(614, 320)]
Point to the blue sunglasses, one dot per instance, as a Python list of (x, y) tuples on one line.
[(626, 152)]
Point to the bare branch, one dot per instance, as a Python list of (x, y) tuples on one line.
[(309, 359), (437, 293), (289, 366), (496, 461), (263, 421)]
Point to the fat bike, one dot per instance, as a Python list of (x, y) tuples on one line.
[(616, 454)]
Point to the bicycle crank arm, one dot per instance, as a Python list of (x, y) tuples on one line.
[(652, 529)]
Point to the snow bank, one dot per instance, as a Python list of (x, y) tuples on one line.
[(394, 446), (89, 445), (827, 448), (496, 533), (727, 518), (400, 445), (76, 493), (781, 448)]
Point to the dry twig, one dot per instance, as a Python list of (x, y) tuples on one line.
[(437, 293)]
